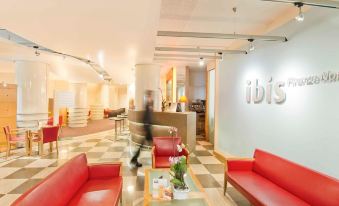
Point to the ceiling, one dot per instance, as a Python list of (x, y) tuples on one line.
[(119, 34), (217, 17)]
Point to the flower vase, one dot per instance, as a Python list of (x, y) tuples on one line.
[(179, 194)]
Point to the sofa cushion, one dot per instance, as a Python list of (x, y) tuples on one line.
[(59, 187), (261, 190), (304, 183), (162, 162), (98, 192), (166, 146)]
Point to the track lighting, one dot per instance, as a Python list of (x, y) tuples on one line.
[(300, 17), (251, 47), (201, 61)]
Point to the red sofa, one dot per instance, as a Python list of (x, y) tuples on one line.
[(163, 149), (76, 183), (271, 180)]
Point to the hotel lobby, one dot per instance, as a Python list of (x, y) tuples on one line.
[(169, 102)]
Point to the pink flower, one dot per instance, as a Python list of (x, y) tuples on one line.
[(173, 160), (179, 148)]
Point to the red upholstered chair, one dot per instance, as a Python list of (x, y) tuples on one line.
[(47, 135), (163, 149), (13, 136)]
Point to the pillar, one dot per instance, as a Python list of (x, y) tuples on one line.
[(78, 115), (147, 77), (104, 95), (32, 99)]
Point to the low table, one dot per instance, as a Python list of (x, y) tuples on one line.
[(196, 196)]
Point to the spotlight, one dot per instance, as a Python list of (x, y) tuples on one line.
[(4, 84), (300, 17), (251, 47), (37, 53), (101, 76), (201, 61)]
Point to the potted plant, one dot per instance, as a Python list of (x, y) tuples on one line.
[(178, 171), (163, 101)]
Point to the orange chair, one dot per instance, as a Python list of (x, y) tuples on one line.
[(46, 135), (13, 137)]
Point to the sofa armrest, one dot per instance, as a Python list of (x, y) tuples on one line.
[(97, 171), (184, 152), (239, 164)]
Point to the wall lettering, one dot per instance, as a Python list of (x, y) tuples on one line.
[(274, 91), (257, 92)]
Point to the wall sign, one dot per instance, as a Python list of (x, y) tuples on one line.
[(274, 92)]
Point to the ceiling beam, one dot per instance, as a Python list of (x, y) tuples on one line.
[(319, 3), (188, 56), (218, 51), (174, 59), (221, 36)]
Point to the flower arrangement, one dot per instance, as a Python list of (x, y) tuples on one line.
[(178, 170)]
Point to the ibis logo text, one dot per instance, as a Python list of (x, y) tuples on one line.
[(270, 91), (273, 92)]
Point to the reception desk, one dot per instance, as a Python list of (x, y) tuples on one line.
[(185, 122)]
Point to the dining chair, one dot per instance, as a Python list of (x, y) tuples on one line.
[(50, 122), (14, 136), (47, 134)]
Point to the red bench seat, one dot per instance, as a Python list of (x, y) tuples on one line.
[(274, 181)]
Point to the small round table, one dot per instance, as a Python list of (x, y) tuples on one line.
[(116, 121)]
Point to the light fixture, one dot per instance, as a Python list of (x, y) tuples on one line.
[(251, 47), (201, 61), (300, 17), (4, 84), (37, 53), (101, 76)]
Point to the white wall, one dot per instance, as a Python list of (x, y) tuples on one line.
[(305, 128)]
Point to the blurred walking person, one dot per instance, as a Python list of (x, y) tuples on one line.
[(147, 120)]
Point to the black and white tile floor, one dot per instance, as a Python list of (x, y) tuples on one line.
[(20, 172)]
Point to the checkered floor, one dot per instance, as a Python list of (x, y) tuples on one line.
[(20, 173)]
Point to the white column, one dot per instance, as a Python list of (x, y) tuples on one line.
[(80, 95), (147, 77), (32, 99), (104, 95), (78, 116)]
